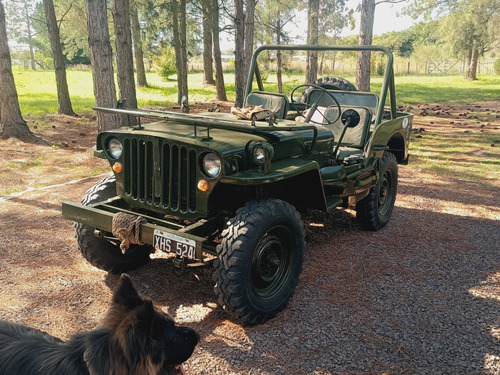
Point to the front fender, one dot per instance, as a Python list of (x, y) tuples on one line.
[(280, 170), (294, 180)]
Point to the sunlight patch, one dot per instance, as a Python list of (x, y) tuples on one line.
[(194, 313), (419, 202)]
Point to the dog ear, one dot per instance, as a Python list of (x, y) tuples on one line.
[(125, 294)]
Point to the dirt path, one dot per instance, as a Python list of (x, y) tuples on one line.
[(421, 296)]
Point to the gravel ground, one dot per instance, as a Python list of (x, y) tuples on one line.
[(422, 296)]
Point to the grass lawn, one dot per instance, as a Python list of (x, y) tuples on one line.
[(38, 97), (457, 156), (37, 90), (433, 89)]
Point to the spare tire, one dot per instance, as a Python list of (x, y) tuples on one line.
[(329, 83)]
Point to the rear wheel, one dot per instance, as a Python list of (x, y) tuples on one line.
[(101, 252), (260, 260), (374, 211)]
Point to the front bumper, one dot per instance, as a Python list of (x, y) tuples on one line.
[(100, 216)]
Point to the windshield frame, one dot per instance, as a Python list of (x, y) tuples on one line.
[(388, 86)]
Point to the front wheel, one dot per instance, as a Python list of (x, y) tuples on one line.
[(374, 211), (259, 260), (100, 252)]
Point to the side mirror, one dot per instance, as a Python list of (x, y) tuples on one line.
[(350, 118)]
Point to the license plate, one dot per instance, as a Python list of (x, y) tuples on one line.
[(172, 243)]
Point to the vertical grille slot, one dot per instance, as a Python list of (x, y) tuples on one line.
[(174, 178), (192, 180), (165, 171), (160, 174)]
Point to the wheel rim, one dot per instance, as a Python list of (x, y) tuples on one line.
[(385, 194), (271, 263)]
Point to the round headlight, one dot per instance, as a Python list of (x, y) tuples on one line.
[(115, 148), (259, 154), (212, 165)]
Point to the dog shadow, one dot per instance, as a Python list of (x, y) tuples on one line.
[(173, 289)]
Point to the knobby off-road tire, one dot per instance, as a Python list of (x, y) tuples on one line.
[(100, 252), (259, 260), (329, 83), (374, 211)]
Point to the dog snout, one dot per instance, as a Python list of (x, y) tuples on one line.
[(190, 334)]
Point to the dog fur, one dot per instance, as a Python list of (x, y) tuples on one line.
[(135, 339)]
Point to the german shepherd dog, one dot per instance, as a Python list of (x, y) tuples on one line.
[(135, 339)]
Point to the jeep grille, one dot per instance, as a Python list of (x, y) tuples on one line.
[(160, 174)]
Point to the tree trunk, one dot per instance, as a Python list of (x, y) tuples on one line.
[(177, 47), (63, 98), (138, 51), (124, 56), (101, 60), (207, 14), (365, 39), (183, 25), (471, 64), (219, 74), (30, 36), (249, 35), (312, 38), (321, 63), (239, 52), (179, 31), (279, 75), (11, 121)]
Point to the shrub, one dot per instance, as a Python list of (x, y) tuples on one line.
[(164, 63)]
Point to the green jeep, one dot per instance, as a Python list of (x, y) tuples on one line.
[(219, 189)]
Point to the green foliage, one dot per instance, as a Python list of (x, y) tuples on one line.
[(18, 14), (48, 63), (401, 43), (378, 63), (466, 25), (413, 41), (73, 30), (264, 74), (164, 63), (496, 67)]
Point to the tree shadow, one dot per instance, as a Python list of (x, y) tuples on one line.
[(388, 301)]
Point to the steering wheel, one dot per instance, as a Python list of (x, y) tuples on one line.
[(310, 109)]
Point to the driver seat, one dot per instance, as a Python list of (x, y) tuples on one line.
[(277, 103), (354, 138)]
